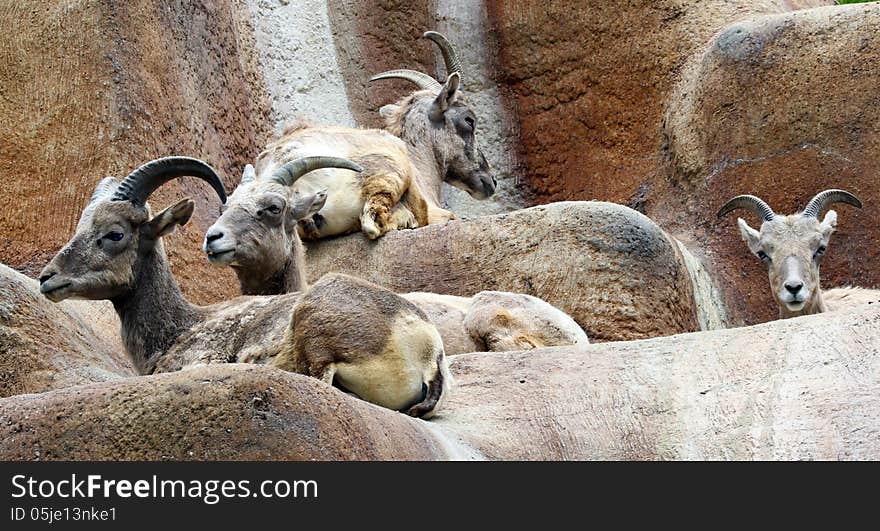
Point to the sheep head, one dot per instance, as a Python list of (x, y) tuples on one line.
[(792, 247), (116, 231), (437, 116), (257, 230)]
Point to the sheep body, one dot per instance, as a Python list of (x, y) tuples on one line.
[(117, 254), (381, 198)]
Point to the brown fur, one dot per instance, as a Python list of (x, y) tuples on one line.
[(163, 332), (342, 309)]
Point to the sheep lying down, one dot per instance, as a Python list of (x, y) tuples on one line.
[(361, 336)]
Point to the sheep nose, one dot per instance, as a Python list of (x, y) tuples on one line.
[(47, 276), (213, 234), (794, 287)]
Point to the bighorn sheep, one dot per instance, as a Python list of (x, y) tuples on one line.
[(792, 246), (380, 198), (117, 254), (266, 254), (430, 139), (439, 130)]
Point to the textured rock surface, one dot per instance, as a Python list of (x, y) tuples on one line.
[(299, 62), (591, 81), (806, 388), (229, 412), (782, 107), (94, 89), (47, 346), (621, 276)]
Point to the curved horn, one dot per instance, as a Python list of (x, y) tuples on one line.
[(424, 81), (142, 182), (748, 202), (293, 170), (823, 199), (450, 58)]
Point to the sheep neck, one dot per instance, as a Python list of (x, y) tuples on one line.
[(285, 280), (413, 127), (288, 279), (429, 171), (154, 312)]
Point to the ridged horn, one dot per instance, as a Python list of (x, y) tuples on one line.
[(424, 81), (450, 58), (293, 170), (823, 199), (142, 182), (748, 202)]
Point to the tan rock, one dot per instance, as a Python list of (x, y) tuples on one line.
[(805, 388), (46, 346), (219, 412), (607, 266)]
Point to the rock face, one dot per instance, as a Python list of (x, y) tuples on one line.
[(592, 79), (717, 98), (96, 89), (805, 388), (621, 277), (46, 346), (228, 412)]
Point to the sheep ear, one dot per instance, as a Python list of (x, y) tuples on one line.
[(447, 96), (164, 222), (387, 111), (749, 235), (306, 205), (249, 174), (829, 223)]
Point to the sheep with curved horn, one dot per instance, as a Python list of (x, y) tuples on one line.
[(266, 254), (435, 123), (792, 247), (394, 358)]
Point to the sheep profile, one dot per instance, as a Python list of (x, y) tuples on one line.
[(792, 247), (117, 254), (439, 129)]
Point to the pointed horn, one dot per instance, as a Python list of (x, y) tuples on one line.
[(450, 58), (748, 202), (142, 182), (293, 170), (424, 81), (827, 198)]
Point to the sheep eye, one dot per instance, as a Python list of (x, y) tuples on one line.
[(274, 210), (470, 121), (763, 256), (114, 236), (819, 252)]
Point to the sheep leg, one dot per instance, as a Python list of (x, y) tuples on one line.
[(327, 374), (309, 228), (376, 219), (402, 218)]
